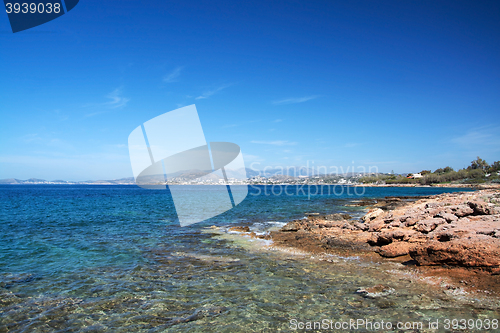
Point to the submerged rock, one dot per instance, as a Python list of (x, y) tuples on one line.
[(196, 315), (240, 229), (291, 226), (375, 291)]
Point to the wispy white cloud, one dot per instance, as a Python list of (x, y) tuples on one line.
[(33, 137), (212, 92), (478, 137), (276, 143), (59, 115), (116, 146), (172, 76), (252, 158), (295, 100), (116, 99), (277, 120), (352, 144), (36, 140), (230, 125)]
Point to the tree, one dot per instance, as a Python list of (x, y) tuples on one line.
[(448, 169), (494, 167), (475, 173), (424, 172), (439, 171), (479, 163)]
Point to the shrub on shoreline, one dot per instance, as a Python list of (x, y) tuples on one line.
[(478, 172)]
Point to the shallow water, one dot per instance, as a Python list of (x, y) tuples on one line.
[(113, 258)]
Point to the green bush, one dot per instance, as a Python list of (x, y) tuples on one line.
[(475, 173), (402, 180), (471, 175), (495, 167), (448, 169)]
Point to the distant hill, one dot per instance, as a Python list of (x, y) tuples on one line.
[(10, 181), (292, 172), (36, 181)]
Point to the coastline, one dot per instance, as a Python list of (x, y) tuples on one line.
[(249, 183), (474, 186), (419, 234)]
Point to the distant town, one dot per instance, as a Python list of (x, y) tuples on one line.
[(340, 179), (478, 172)]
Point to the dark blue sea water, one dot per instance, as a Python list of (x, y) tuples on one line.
[(114, 258)]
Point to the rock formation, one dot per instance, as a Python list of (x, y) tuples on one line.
[(454, 229)]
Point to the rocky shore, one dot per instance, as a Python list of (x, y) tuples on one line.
[(479, 186), (458, 231)]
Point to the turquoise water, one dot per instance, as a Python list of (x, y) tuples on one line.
[(114, 258)]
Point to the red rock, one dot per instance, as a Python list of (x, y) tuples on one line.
[(411, 222), (450, 229), (395, 224), (393, 250), (428, 225), (459, 210), (373, 239), (361, 226), (240, 229), (483, 208), (376, 225), (448, 217), (371, 215), (445, 236), (481, 251), (432, 205), (291, 226), (418, 238), (402, 234), (384, 238)]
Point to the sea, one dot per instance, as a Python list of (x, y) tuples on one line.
[(109, 258)]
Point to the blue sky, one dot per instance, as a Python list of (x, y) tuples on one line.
[(400, 85)]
